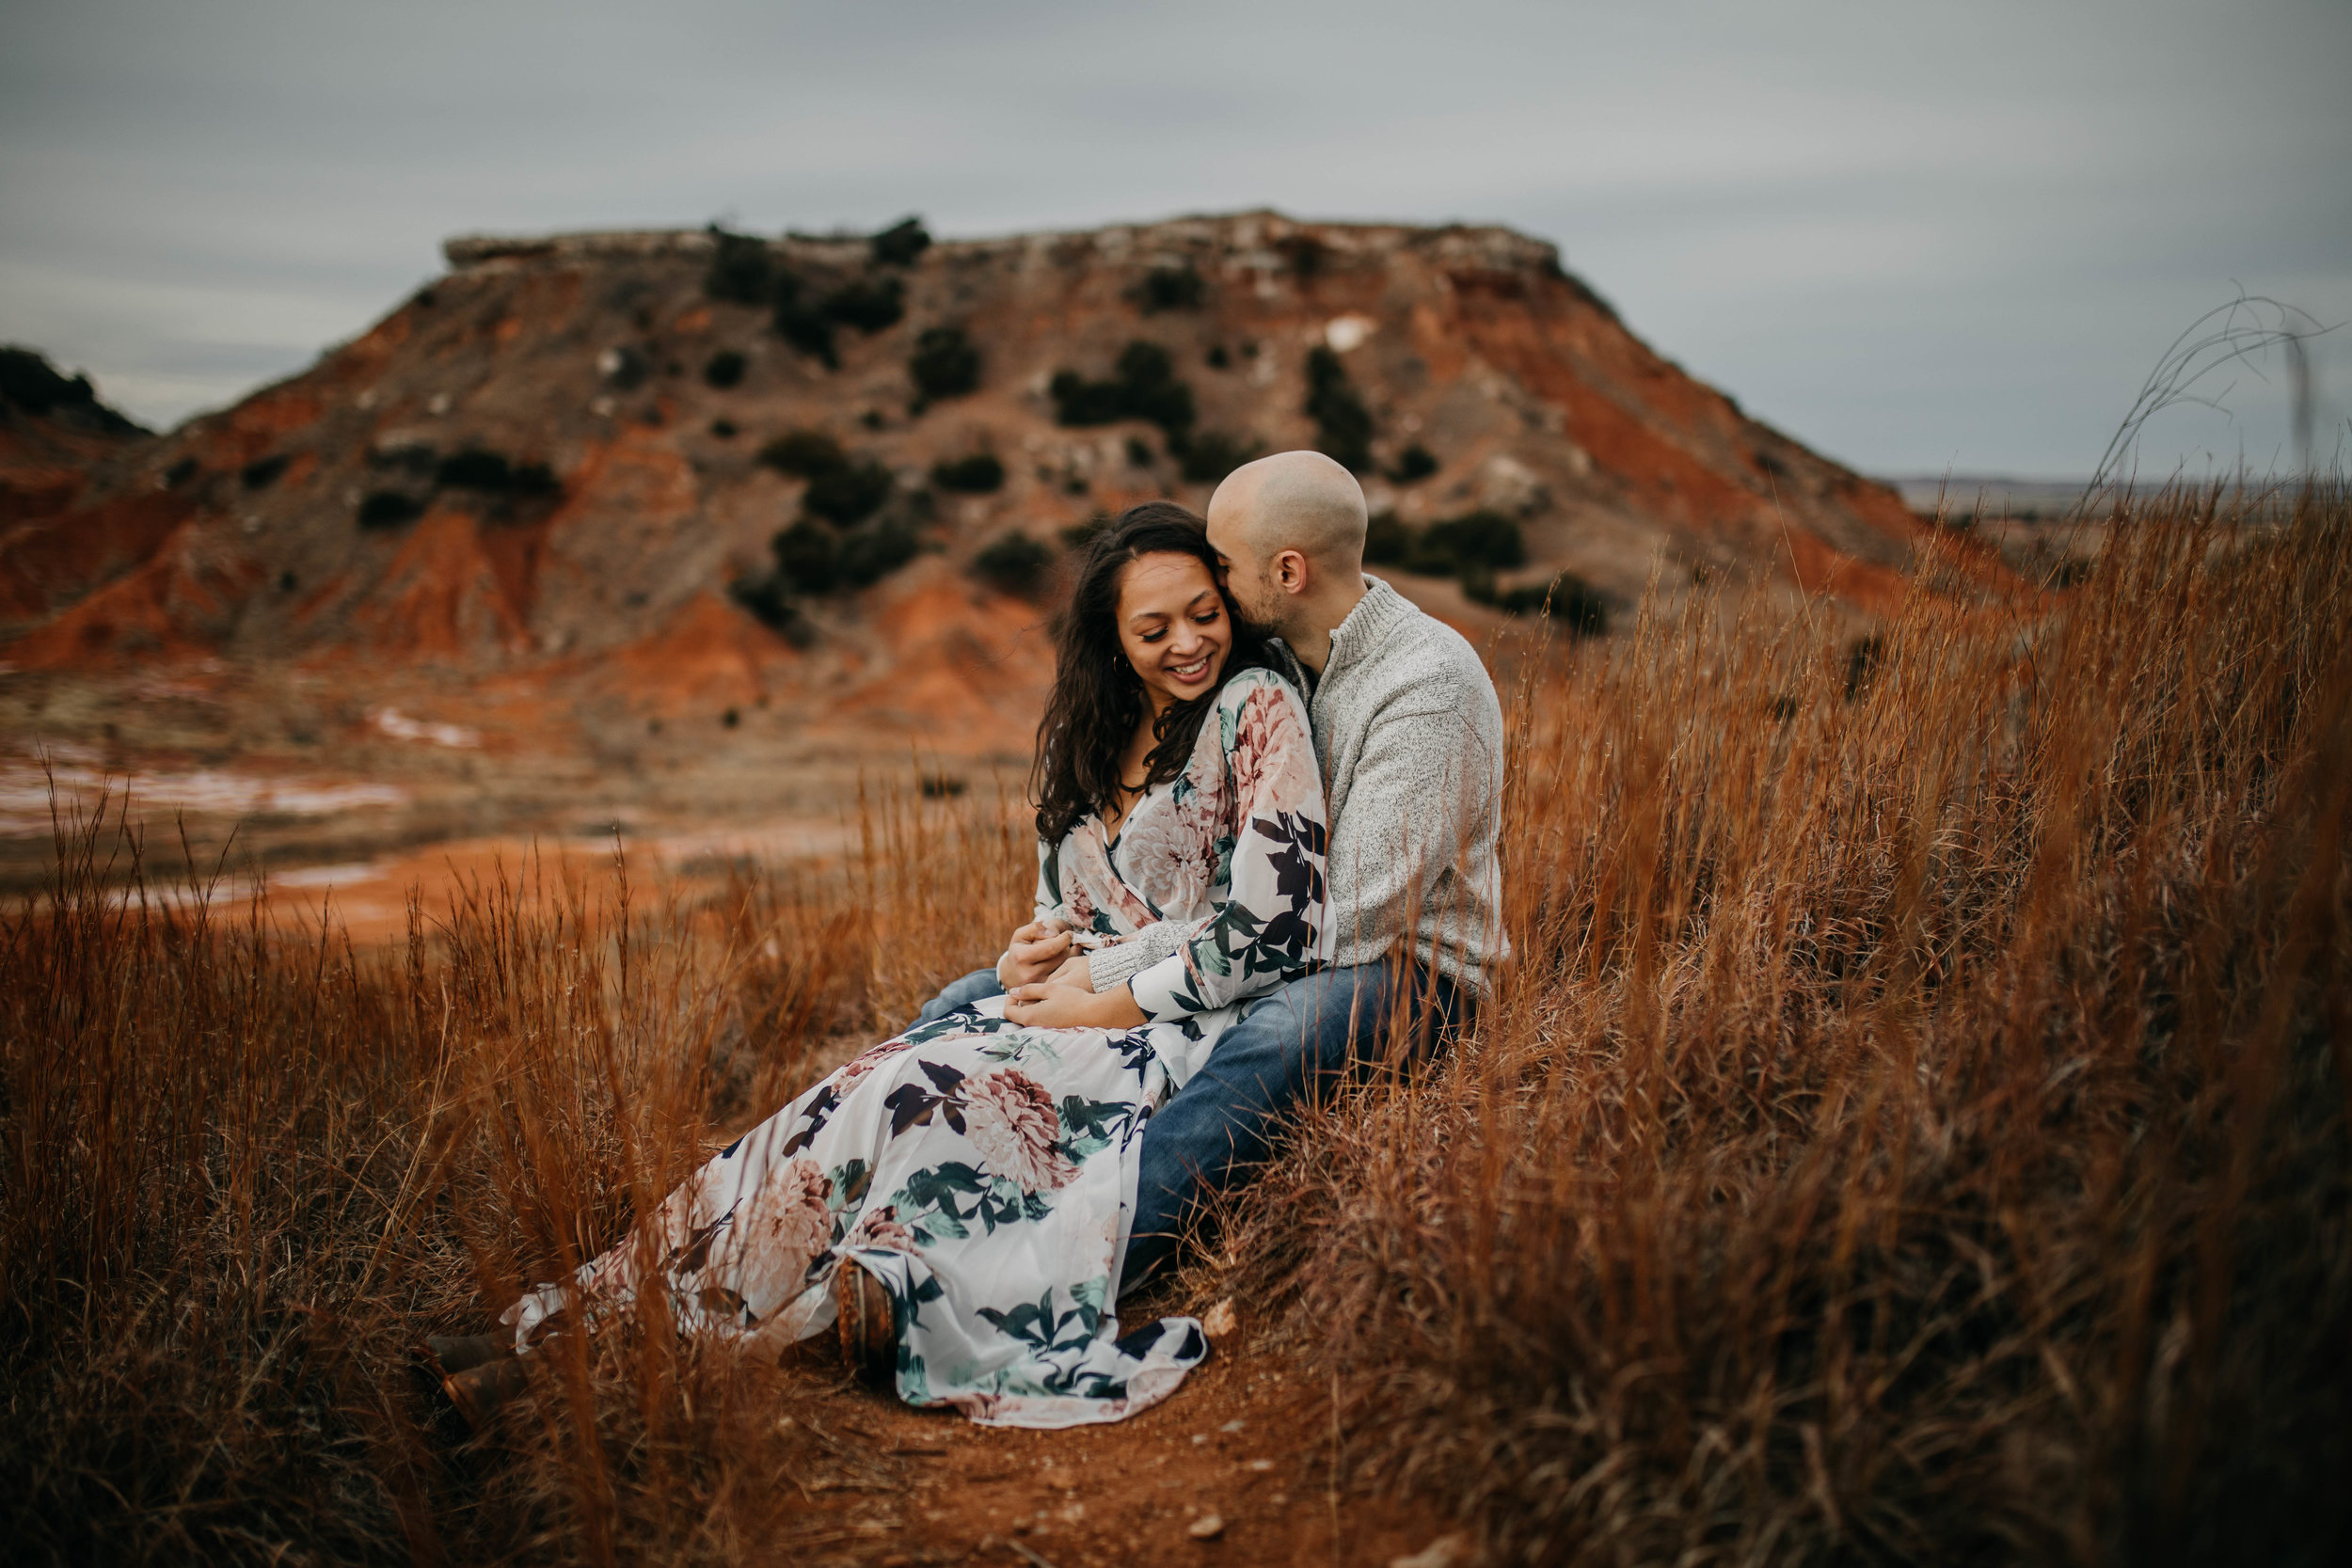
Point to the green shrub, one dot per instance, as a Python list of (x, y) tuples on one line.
[(1014, 563), (1152, 391), (806, 559), (742, 269), (1387, 541), (262, 472), (849, 494), (1567, 598), (1211, 454), (1079, 401), (870, 554), (840, 491), (900, 244), (1169, 289), (492, 473), (1414, 463), (945, 364), (867, 304), (975, 475), (390, 508), (1143, 386), (1480, 538), (1343, 423), (1473, 547), (806, 328), (726, 369), (765, 598), (1077, 536), (804, 453)]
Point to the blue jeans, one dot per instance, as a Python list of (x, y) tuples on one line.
[(1297, 1043)]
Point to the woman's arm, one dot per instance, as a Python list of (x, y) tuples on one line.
[(1271, 928)]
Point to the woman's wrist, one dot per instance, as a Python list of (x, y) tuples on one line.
[(1115, 1008)]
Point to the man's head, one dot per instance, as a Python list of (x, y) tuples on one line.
[(1291, 531)]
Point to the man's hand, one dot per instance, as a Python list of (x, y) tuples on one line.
[(1038, 950), (1045, 1005)]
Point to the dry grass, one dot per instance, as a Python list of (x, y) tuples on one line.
[(1917, 1127), (1916, 1130)]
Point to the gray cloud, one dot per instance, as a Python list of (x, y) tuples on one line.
[(1914, 236)]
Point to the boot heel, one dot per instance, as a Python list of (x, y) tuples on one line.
[(868, 1322)]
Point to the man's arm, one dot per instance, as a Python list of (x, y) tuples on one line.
[(1424, 783)]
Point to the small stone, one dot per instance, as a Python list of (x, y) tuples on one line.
[(1207, 1527), (1447, 1551), (1234, 1425), (1219, 1320), (1260, 1465)]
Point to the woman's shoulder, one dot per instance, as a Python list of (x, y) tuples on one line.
[(1258, 678)]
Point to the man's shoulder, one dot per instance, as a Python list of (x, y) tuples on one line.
[(1419, 657)]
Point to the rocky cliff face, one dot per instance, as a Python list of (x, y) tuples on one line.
[(554, 452)]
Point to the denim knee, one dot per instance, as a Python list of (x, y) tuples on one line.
[(979, 983)]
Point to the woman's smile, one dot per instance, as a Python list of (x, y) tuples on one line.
[(1172, 625)]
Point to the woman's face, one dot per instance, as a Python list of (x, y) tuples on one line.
[(1172, 627)]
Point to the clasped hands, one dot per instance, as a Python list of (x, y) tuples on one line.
[(1047, 985)]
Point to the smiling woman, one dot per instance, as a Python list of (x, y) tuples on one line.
[(1130, 687), (958, 1200)]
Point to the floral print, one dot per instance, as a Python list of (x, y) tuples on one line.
[(1013, 1126), (982, 1172), (1232, 849)]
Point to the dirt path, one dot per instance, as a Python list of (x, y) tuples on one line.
[(1244, 1443)]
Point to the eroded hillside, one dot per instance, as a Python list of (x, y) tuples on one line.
[(594, 510)]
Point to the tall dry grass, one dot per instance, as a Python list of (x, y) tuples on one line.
[(244, 1173), (1916, 1129)]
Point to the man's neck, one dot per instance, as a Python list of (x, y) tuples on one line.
[(1310, 637)]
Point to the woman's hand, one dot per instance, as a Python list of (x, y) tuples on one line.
[(1046, 1005), (1073, 971), (1038, 950)]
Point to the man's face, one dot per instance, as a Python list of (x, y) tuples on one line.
[(1243, 575)]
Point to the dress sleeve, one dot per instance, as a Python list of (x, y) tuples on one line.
[(1270, 928)]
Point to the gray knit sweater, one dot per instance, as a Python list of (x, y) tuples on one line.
[(1410, 733)]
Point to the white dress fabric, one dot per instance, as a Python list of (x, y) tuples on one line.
[(984, 1172)]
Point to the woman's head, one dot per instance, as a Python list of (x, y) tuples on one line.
[(1149, 630)]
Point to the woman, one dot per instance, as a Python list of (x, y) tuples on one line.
[(957, 1201)]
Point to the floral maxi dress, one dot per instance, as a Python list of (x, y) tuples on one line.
[(983, 1172)]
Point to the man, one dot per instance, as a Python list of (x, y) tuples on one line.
[(1409, 732)]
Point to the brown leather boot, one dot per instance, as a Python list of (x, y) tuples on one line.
[(868, 1324), (478, 1391), (451, 1354)]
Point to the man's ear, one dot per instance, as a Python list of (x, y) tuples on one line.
[(1290, 573)]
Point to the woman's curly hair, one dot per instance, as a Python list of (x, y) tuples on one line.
[(1098, 698)]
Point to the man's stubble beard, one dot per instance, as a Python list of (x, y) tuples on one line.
[(1269, 610)]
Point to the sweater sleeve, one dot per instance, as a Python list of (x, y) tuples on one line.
[(1108, 968), (1421, 787), (1270, 927)]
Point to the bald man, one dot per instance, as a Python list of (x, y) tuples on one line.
[(1409, 733)]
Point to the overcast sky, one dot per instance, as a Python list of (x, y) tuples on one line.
[(1915, 236)]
